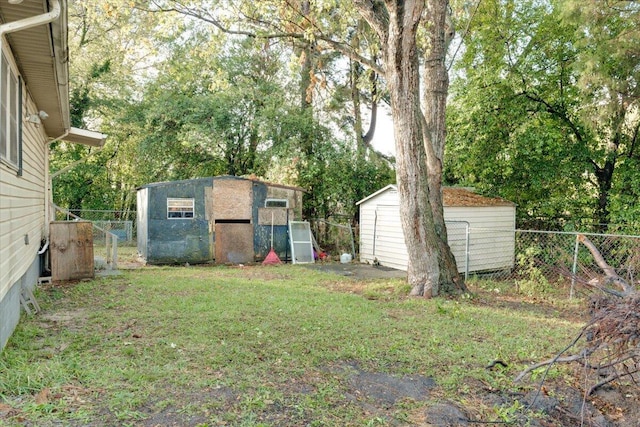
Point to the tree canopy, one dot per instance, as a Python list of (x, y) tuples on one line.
[(179, 100), (544, 110)]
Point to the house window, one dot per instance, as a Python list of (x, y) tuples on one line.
[(276, 203), (180, 208), (9, 114)]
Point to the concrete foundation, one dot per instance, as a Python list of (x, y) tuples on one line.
[(10, 304)]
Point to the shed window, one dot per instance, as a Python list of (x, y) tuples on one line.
[(276, 203), (180, 208), (9, 113)]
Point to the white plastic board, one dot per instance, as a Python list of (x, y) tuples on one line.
[(301, 242)]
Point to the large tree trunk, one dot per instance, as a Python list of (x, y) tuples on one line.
[(436, 86), (604, 177), (416, 213), (419, 140)]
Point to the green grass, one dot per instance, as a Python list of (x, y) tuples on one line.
[(253, 346)]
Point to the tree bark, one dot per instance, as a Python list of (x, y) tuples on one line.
[(419, 139), (436, 87), (610, 272), (604, 178), (416, 213)]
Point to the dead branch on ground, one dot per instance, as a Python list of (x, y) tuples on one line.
[(612, 335), (610, 273)]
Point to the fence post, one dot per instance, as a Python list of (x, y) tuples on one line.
[(467, 250), (107, 243), (574, 269), (114, 257)]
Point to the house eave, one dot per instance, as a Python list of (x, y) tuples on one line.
[(85, 137), (41, 55)]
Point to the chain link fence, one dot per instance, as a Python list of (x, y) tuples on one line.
[(119, 223), (554, 260), (122, 229), (531, 261), (334, 238)]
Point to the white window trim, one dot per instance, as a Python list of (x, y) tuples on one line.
[(12, 115), (187, 205)]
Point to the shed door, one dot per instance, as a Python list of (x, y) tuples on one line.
[(232, 201), (234, 243)]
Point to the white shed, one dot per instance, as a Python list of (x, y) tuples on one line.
[(488, 222)]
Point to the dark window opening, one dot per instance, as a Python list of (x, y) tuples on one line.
[(233, 221), (276, 203)]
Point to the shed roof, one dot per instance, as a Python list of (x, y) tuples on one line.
[(453, 196), (256, 179), (168, 183), (220, 177), (456, 196)]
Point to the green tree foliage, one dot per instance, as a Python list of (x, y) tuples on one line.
[(181, 100), (113, 50), (212, 113), (543, 111)]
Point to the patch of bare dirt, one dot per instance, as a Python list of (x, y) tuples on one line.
[(546, 306), (358, 270), (382, 390), (70, 319)]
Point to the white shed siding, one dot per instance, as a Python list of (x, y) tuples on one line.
[(457, 239), (491, 239), (389, 245), (22, 204), (483, 216), (491, 242), (369, 217)]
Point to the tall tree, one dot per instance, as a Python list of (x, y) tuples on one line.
[(546, 97), (419, 136), (608, 39), (316, 30), (113, 50)]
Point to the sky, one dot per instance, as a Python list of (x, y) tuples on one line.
[(383, 138)]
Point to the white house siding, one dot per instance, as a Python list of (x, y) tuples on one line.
[(491, 242), (22, 204)]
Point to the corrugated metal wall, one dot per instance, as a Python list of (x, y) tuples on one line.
[(177, 240)]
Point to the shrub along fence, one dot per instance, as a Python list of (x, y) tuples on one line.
[(543, 260)]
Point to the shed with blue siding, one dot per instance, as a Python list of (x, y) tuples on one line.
[(224, 219)]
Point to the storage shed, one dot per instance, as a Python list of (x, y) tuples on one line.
[(488, 222), (225, 219)]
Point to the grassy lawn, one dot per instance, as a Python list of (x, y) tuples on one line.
[(262, 346)]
